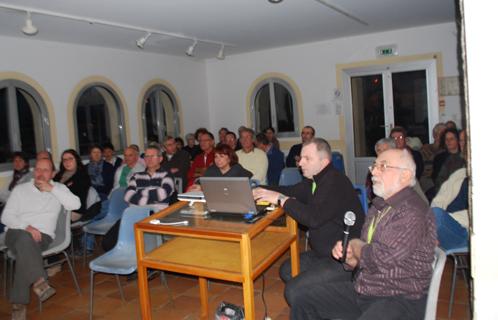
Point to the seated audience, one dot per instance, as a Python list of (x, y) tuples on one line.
[(399, 136), (275, 159), (381, 146), (180, 144), (153, 187), (130, 166), (270, 135), (448, 161), (222, 133), (20, 174), (108, 153), (231, 140), (192, 148), (251, 158), (74, 176), (177, 162), (392, 259), (226, 164), (31, 217), (293, 157), (44, 154), (428, 152), (101, 173), (450, 124), (319, 202), (450, 209), (204, 160)]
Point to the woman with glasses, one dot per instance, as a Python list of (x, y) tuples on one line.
[(73, 174)]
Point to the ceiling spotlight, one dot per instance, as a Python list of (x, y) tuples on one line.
[(274, 1), (141, 41), (29, 29), (190, 50), (221, 53)]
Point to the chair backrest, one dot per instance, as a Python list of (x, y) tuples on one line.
[(62, 238), (338, 161), (432, 295), (117, 205), (126, 237), (178, 184), (362, 194), (92, 197), (290, 176)]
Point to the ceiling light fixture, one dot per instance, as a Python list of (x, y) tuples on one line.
[(274, 1), (221, 53), (190, 50), (141, 41), (29, 29)]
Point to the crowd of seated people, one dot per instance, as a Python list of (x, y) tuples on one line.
[(319, 202)]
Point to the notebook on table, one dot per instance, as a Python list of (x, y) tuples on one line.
[(230, 198)]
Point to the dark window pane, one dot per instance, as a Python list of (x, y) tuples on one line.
[(92, 120), (410, 103), (263, 108), (368, 113), (284, 108), (151, 119), (4, 128), (26, 106)]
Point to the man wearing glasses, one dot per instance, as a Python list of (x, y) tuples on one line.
[(398, 134), (392, 259)]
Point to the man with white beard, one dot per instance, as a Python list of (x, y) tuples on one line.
[(393, 258)]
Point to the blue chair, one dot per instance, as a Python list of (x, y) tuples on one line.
[(117, 206), (338, 161), (290, 176), (459, 256), (433, 293), (122, 259), (362, 194)]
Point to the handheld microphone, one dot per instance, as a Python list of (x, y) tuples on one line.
[(349, 219)]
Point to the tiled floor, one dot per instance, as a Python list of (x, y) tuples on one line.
[(181, 299)]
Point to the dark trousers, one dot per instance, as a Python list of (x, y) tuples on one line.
[(314, 270), (339, 300), (29, 262)]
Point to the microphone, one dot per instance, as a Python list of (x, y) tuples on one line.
[(349, 219)]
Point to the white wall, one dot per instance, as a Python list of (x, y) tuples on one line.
[(312, 67), (59, 67)]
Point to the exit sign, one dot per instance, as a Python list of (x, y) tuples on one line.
[(386, 51)]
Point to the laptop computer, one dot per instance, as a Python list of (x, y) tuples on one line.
[(231, 197)]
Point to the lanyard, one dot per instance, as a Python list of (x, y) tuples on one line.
[(313, 187), (375, 222)]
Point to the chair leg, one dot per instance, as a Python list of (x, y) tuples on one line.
[(72, 272), (91, 295), (120, 288), (84, 247), (5, 273), (453, 284)]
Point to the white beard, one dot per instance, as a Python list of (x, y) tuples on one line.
[(380, 190)]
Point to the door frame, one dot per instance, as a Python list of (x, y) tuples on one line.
[(430, 64)]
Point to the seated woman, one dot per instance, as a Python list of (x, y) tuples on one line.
[(450, 209), (73, 174), (446, 162), (226, 164), (101, 173), (20, 174)]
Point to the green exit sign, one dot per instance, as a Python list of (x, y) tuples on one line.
[(387, 51)]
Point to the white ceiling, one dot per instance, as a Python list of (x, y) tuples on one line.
[(248, 25)]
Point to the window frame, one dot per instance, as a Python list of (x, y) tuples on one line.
[(119, 111), (161, 127), (13, 117), (254, 113)]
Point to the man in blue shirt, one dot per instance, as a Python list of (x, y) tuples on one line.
[(275, 159)]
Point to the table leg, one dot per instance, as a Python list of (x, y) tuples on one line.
[(142, 280), (294, 247), (203, 288), (247, 281)]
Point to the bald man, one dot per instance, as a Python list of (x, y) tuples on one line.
[(393, 258), (130, 166)]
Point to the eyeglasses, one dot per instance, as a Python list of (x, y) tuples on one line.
[(383, 167), (67, 159), (151, 155), (399, 138)]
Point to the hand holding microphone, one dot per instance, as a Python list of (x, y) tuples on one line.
[(349, 220)]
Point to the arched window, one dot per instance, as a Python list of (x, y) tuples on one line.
[(159, 114), (98, 118), (24, 122), (274, 105)]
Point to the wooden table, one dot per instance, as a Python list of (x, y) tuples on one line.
[(207, 248)]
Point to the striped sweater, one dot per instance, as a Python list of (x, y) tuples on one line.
[(146, 190)]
